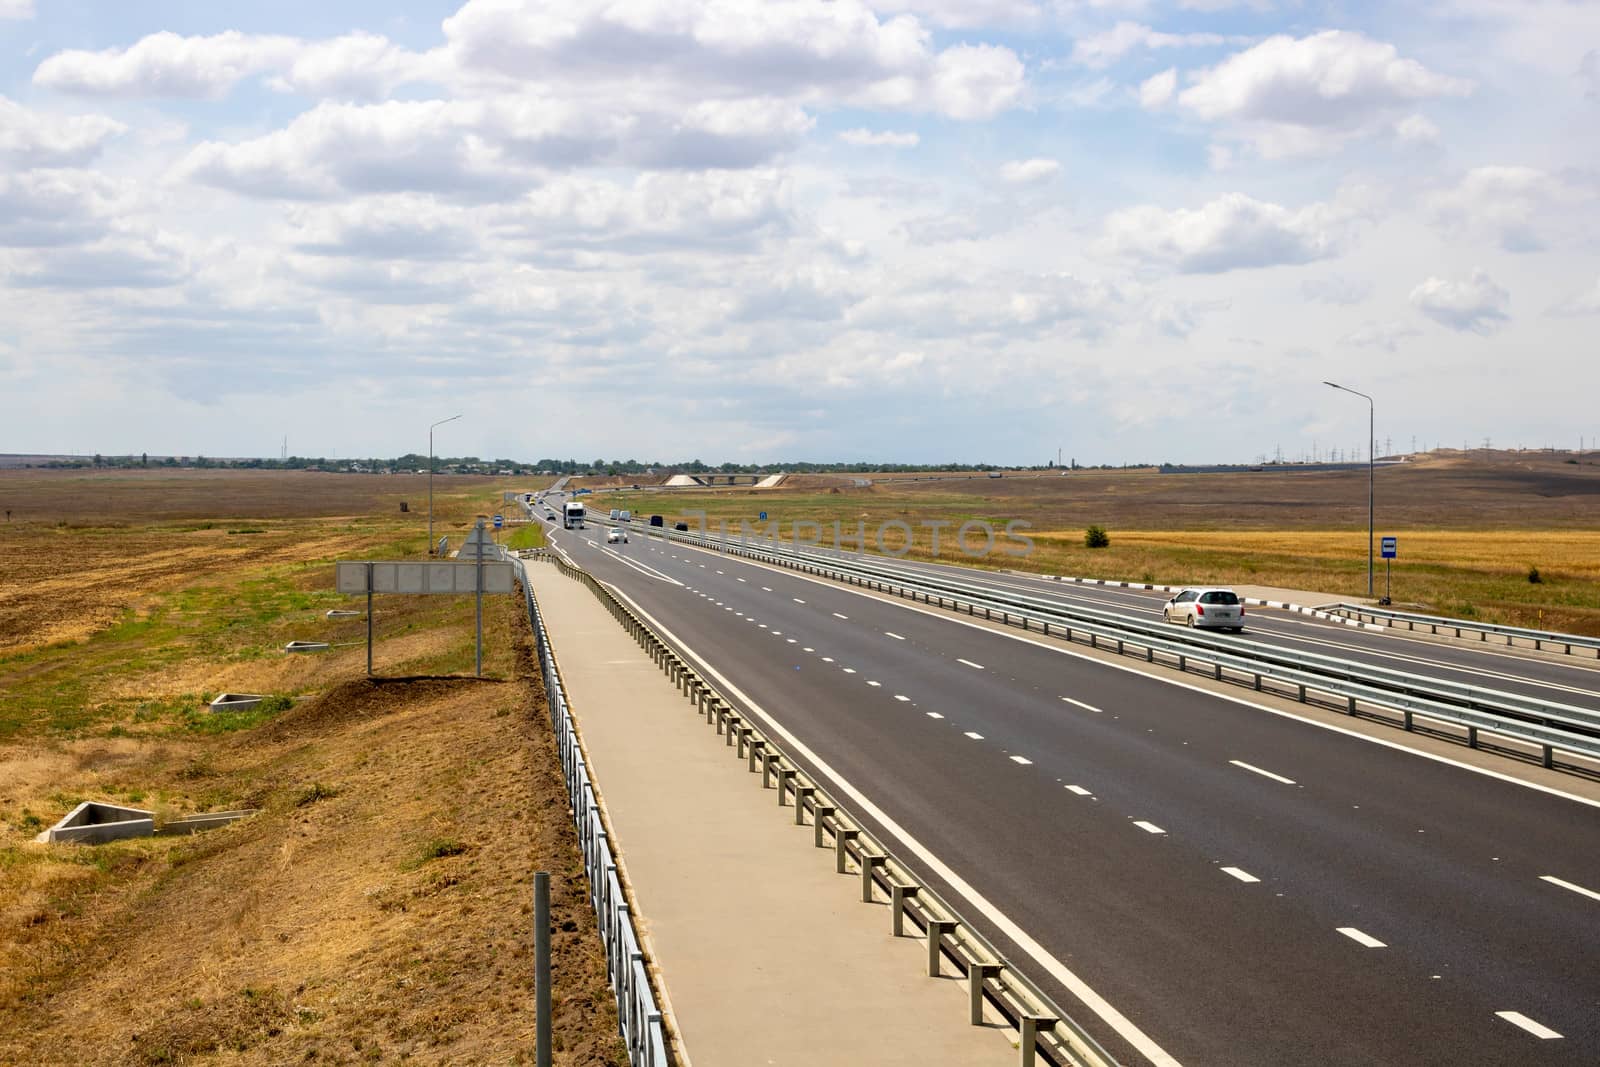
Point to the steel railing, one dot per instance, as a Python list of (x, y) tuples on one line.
[(1435, 624), (639, 1015), (1360, 687), (1046, 1033)]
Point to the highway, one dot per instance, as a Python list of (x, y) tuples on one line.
[(1239, 886)]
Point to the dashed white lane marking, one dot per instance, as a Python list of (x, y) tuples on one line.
[(797, 600), (741, 579), (1257, 770), (974, 736), (1149, 827), (968, 662), (1364, 940), (1241, 874), (896, 636), (763, 626), (838, 616), (766, 588), (849, 670), (1539, 1030), (1078, 789), (875, 685), (791, 640), (1564, 884), (777, 633), (1024, 760), (827, 659), (934, 715), (902, 698), (739, 614), (808, 648), (1085, 707), (719, 572)]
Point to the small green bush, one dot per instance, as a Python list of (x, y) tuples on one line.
[(313, 793), (1096, 537), (1534, 577)]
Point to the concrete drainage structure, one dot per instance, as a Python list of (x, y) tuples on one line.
[(343, 613), (92, 823), (306, 646), (236, 701)]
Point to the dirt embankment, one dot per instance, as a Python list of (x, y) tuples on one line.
[(379, 907)]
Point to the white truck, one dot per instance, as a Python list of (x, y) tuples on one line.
[(572, 516)]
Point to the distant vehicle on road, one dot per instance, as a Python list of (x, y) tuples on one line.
[(625, 516), (636, 487), (656, 520), (681, 526), (1218, 609), (616, 536), (572, 516), (615, 514)]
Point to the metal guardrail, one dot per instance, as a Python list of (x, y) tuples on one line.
[(1360, 687), (1439, 623), (639, 1016), (1045, 1033)]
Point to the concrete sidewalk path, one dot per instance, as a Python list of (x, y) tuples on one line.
[(767, 955)]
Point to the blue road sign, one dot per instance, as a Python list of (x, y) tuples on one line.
[(499, 521), (1391, 547), (763, 516)]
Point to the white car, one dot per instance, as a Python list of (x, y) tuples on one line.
[(616, 535), (1219, 609)]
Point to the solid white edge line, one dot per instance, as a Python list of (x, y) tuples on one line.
[(1180, 683), (1265, 774), (1364, 940), (1125, 1027), (1148, 827), (1564, 884), (968, 662), (1517, 1019), (1240, 873)]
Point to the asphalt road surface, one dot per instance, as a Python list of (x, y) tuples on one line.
[(1235, 886)]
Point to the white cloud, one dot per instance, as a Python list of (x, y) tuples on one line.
[(1477, 305), (166, 64), (31, 138), (16, 9), (1103, 49), (1586, 302), (1029, 171), (964, 14), (1233, 232), (1416, 129), (1340, 292), (476, 149), (1589, 74), (976, 81), (54, 207), (1292, 96), (1385, 335), (820, 53), (1512, 205), (879, 138), (1156, 90), (356, 66)]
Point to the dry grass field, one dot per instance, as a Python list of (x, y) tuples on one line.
[(379, 905), (1470, 526)]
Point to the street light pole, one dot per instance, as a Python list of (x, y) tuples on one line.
[(441, 422), (1372, 446)]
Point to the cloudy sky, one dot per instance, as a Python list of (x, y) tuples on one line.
[(909, 230)]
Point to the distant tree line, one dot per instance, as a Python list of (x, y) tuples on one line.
[(413, 462)]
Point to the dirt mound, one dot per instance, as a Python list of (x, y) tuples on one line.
[(361, 698)]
